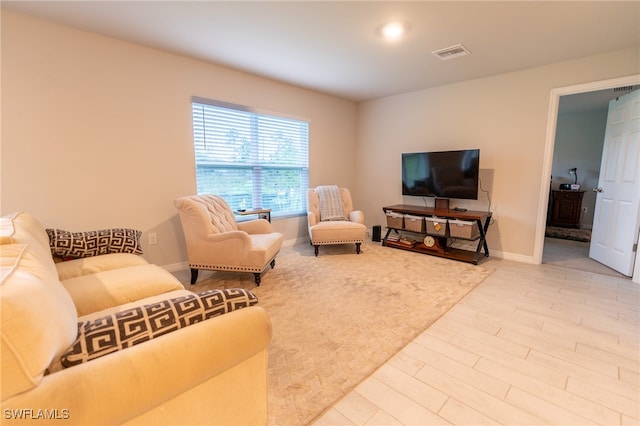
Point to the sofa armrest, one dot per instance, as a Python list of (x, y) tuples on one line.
[(311, 218), (133, 381), (356, 216), (241, 236), (255, 226)]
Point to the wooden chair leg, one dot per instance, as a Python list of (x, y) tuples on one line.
[(257, 277), (194, 276), (273, 263), (358, 248), (315, 248)]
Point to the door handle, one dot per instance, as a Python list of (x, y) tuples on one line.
[(598, 189)]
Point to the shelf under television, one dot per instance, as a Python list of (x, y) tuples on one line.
[(442, 248)]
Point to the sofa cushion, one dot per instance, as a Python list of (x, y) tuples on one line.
[(120, 330), (90, 265), (39, 321), (93, 243), (105, 289)]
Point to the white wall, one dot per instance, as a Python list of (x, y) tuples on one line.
[(505, 116), (96, 132), (579, 142)]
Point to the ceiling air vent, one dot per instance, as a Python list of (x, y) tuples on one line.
[(451, 52), (623, 89)]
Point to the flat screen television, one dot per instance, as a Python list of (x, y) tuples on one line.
[(446, 174)]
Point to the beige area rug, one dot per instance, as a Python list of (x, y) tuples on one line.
[(339, 316)]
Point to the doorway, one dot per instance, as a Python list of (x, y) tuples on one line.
[(556, 251), (574, 255)]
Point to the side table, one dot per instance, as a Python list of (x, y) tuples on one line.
[(566, 208), (261, 213)]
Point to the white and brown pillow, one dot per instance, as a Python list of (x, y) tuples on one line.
[(71, 245), (122, 330)]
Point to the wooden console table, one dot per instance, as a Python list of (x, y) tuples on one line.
[(439, 243)]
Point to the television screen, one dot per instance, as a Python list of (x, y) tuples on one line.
[(446, 174)]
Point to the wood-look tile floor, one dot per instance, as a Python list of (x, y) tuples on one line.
[(532, 345)]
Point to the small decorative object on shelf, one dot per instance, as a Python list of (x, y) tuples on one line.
[(435, 243), (393, 238), (407, 242), (429, 241)]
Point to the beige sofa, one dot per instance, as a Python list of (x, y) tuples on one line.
[(211, 372)]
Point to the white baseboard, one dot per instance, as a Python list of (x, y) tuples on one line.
[(184, 266), (176, 267), (295, 241), (511, 256)]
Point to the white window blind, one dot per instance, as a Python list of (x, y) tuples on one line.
[(251, 159)]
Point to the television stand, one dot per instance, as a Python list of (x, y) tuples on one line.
[(437, 243)]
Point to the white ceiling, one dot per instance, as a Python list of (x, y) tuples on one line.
[(333, 47)]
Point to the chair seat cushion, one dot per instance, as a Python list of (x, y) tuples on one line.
[(270, 244), (264, 248), (336, 232)]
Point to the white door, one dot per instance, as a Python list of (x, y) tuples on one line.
[(617, 214)]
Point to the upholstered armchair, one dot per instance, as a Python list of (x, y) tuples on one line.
[(332, 219), (215, 241)]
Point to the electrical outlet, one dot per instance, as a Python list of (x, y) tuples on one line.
[(153, 238)]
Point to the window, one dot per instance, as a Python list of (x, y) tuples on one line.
[(251, 159)]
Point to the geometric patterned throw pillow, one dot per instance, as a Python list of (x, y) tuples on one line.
[(124, 329), (93, 243)]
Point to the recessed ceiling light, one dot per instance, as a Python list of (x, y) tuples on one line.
[(393, 31)]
